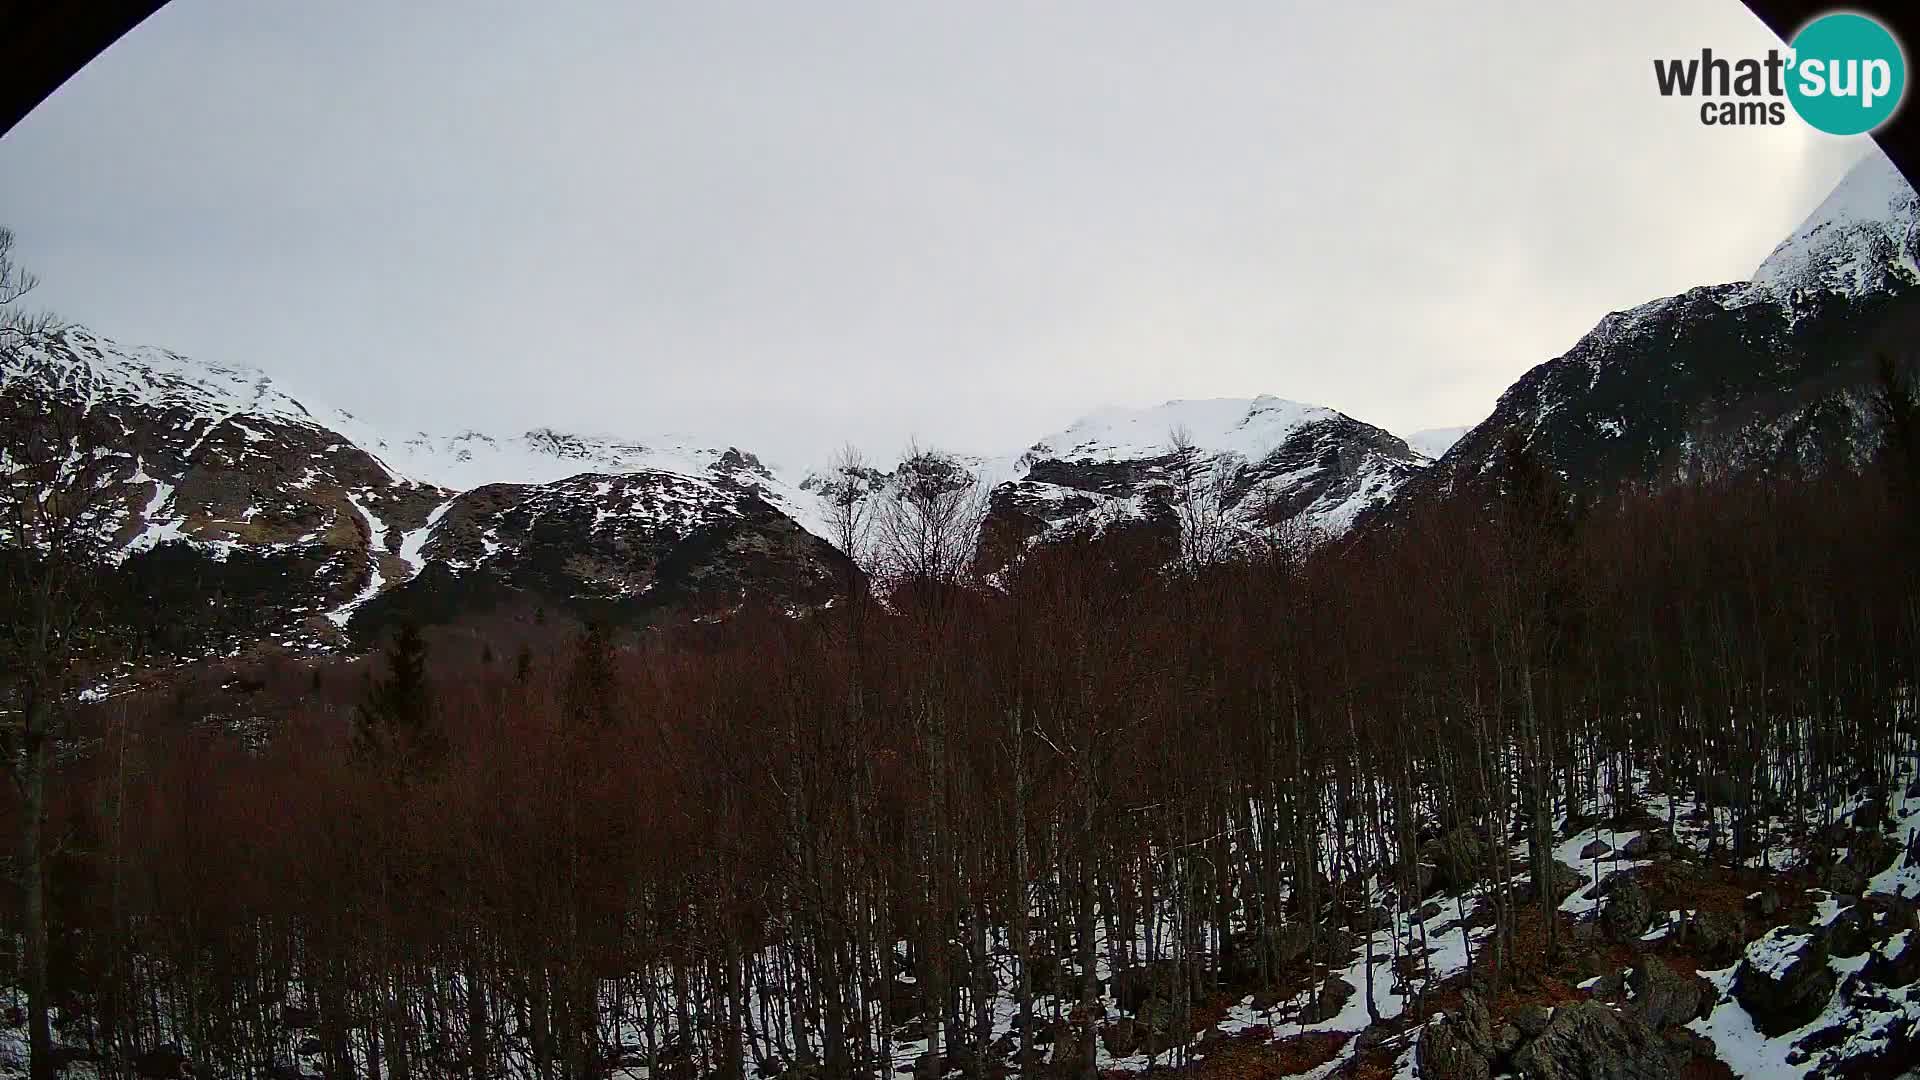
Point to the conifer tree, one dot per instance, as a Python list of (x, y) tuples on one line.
[(395, 727)]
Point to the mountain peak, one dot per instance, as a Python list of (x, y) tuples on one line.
[(1249, 427), (1864, 235)]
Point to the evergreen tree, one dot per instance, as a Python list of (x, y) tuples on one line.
[(395, 727)]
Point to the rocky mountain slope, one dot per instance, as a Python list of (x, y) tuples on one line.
[(262, 517), (1773, 374), (241, 514), (1234, 467)]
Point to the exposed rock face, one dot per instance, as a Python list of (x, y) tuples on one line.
[(1628, 910), (1445, 1053), (1135, 986), (1563, 881), (1716, 936), (1664, 998), (1327, 1001), (1585, 1041), (1458, 857), (1896, 963), (1784, 980), (1588, 1041)]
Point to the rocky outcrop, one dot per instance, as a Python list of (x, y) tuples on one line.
[(1446, 1053), (1458, 857), (1716, 937), (1588, 1041), (1584, 1041), (1784, 981), (1627, 911), (1201, 479), (1663, 998)]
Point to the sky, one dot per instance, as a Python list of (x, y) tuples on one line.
[(790, 226)]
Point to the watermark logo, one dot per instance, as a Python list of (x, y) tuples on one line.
[(1844, 74), (1849, 76)]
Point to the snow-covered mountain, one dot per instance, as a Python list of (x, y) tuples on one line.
[(1249, 464), (1773, 374), (308, 525), (302, 523), (296, 521)]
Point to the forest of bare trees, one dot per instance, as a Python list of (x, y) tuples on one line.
[(797, 845)]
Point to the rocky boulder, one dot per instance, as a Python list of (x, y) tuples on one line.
[(1715, 936), (1445, 1053), (1458, 858), (1896, 962), (1850, 933), (1531, 1020), (1627, 912), (1663, 997), (1588, 1041), (1133, 987), (1784, 981), (1121, 1037), (1327, 1001)]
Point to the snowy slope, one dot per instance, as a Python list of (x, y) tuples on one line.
[(1249, 429), (1863, 238), (1435, 442), (1247, 464)]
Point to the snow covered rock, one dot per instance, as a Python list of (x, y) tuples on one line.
[(1784, 981), (1222, 473), (1895, 963), (312, 526)]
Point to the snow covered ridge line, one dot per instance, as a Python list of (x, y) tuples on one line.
[(1864, 234), (348, 520), (201, 401)]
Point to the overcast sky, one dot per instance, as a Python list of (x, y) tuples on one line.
[(787, 225)]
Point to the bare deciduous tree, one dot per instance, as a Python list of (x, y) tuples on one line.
[(1202, 502), (55, 501), (928, 525)]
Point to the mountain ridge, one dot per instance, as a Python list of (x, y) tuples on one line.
[(1765, 374)]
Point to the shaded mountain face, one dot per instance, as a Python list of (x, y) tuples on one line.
[(1773, 375), (238, 514)]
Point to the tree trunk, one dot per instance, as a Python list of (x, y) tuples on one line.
[(33, 814)]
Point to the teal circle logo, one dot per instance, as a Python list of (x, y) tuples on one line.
[(1848, 74)]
